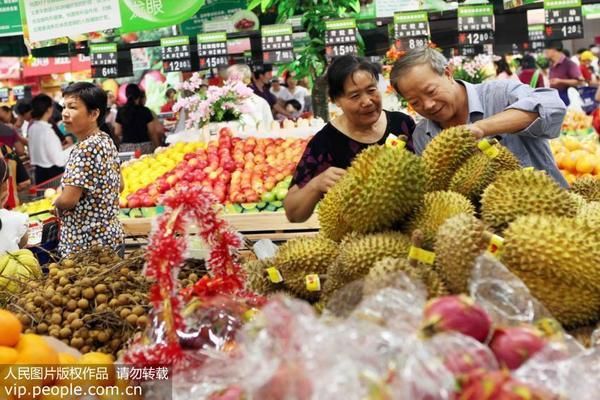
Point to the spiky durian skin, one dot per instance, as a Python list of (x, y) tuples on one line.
[(479, 171), (358, 253), (578, 199), (384, 274), (303, 256), (331, 219), (518, 193), (382, 191), (590, 213), (588, 187), (257, 280), (445, 154), (434, 210), (458, 242), (559, 260)]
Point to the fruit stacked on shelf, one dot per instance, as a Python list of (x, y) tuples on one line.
[(462, 197), (577, 123), (138, 174), (40, 210), (577, 156), (236, 170)]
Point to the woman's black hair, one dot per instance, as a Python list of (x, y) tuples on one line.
[(91, 96), (343, 67), (133, 93), (23, 107), (40, 105), (294, 103), (3, 177), (169, 92), (528, 62), (502, 66)]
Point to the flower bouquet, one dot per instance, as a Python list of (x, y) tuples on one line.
[(208, 104), (475, 70)]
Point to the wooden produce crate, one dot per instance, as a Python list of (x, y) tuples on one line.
[(254, 226)]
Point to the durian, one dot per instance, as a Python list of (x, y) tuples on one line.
[(358, 253), (383, 186), (385, 272), (584, 334), (590, 213), (300, 257), (434, 210), (524, 192), (458, 242), (331, 218), (578, 199), (559, 260), (588, 187), (257, 280), (479, 171), (445, 154)]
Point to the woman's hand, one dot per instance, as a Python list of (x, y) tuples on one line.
[(326, 179)]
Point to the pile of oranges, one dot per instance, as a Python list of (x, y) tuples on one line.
[(29, 352), (577, 157)]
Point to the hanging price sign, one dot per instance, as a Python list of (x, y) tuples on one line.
[(411, 29), (4, 94), (475, 28), (340, 37), (277, 44), (104, 60), (175, 53), (212, 49), (536, 37), (563, 19), (19, 92)]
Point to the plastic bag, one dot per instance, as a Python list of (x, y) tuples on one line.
[(265, 249)]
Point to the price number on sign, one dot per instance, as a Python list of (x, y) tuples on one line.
[(412, 43), (278, 56), (567, 31), (213, 62), (570, 30), (177, 65), (342, 50), (105, 72), (475, 38)]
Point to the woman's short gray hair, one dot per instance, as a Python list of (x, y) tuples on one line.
[(418, 56), (240, 71)]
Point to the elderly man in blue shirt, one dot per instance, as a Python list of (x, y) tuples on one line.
[(522, 118)]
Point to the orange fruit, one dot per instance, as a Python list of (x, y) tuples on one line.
[(10, 328), (571, 143), (560, 158), (569, 162), (99, 360), (8, 355), (66, 359), (585, 164)]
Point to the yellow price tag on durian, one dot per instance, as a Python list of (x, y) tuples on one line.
[(393, 141), (489, 149), (496, 244), (313, 283), (421, 255), (274, 275), (528, 169)]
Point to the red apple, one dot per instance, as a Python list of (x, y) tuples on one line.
[(147, 202), (122, 203), (172, 180), (189, 156), (179, 173), (133, 202)]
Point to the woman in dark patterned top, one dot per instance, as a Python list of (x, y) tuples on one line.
[(352, 87)]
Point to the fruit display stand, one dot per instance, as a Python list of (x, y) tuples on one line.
[(254, 226)]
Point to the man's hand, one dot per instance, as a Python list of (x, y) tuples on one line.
[(326, 179), (477, 131), (555, 81)]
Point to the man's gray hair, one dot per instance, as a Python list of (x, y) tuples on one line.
[(240, 71), (418, 56)]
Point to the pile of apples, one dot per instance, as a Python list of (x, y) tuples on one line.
[(577, 156), (577, 123), (236, 170)]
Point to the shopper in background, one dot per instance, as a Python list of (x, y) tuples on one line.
[(585, 67), (530, 74), (13, 225), (522, 118), (135, 125), (171, 96), (19, 177), (277, 90), (259, 113), (353, 88), (6, 115), (564, 73), (111, 108), (89, 202), (503, 70), (10, 137), (261, 77), (295, 91), (45, 147), (219, 78), (23, 111)]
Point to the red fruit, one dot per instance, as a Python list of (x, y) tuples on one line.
[(514, 345), (137, 153), (189, 156), (179, 173), (225, 132), (148, 202), (458, 314), (482, 385)]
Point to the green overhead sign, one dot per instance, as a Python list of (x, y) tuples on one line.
[(143, 15), (10, 18)]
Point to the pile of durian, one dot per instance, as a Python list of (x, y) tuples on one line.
[(431, 216)]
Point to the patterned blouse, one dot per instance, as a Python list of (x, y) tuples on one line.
[(94, 166), (332, 148)]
